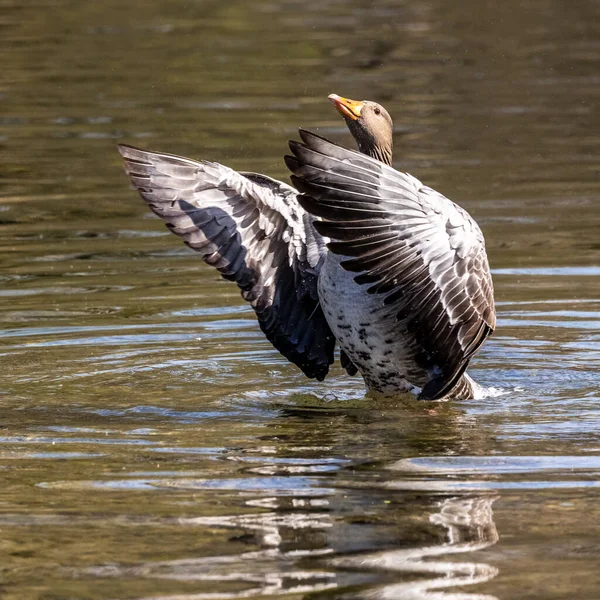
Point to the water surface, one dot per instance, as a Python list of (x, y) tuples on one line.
[(154, 446)]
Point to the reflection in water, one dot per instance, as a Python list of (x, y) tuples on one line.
[(470, 527), (265, 572), (272, 570), (262, 573)]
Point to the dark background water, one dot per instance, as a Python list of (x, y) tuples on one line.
[(153, 444)]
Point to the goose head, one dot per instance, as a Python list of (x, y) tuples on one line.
[(370, 125)]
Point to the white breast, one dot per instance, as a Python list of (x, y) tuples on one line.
[(368, 331)]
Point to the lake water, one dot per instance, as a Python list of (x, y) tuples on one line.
[(153, 445)]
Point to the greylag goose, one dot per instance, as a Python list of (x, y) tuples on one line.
[(356, 253)]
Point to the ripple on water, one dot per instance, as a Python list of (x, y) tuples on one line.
[(267, 486), (490, 473), (41, 439), (22, 455), (496, 464), (63, 290), (562, 271)]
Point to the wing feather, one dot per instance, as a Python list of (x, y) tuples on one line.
[(253, 231), (419, 249)]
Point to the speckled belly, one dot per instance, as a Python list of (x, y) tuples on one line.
[(368, 331)]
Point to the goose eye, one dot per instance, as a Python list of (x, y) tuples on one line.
[(377, 111)]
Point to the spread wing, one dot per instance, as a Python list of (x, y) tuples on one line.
[(252, 229), (424, 253)]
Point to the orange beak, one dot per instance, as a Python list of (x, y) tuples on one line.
[(347, 108)]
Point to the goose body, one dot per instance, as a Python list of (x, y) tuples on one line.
[(355, 253), (371, 337)]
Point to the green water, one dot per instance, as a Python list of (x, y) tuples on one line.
[(154, 446)]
